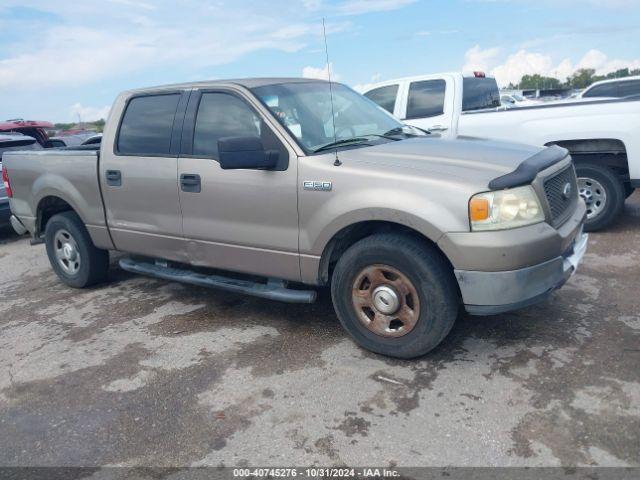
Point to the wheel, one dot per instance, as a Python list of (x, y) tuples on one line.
[(628, 190), (72, 254), (395, 295), (602, 191)]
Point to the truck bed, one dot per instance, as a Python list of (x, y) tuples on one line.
[(74, 170)]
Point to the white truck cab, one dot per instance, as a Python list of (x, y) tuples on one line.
[(430, 101), (601, 134)]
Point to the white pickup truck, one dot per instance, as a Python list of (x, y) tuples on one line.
[(602, 136)]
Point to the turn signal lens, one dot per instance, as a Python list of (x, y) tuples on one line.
[(504, 209), (478, 209)]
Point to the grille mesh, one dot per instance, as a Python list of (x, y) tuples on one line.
[(554, 189)]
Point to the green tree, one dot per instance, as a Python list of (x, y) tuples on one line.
[(582, 78), (537, 81)]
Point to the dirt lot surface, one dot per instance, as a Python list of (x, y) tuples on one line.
[(146, 372)]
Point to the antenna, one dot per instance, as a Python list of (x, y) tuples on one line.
[(337, 161)]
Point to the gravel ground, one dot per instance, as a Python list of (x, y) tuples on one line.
[(146, 372)]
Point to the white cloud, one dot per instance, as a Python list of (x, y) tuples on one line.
[(320, 73), (477, 59), (363, 87), (88, 114), (357, 7), (82, 51), (512, 68)]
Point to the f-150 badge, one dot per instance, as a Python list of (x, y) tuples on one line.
[(319, 186)]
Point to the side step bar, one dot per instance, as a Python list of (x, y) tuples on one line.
[(274, 289)]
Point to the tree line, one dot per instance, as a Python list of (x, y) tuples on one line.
[(581, 78)]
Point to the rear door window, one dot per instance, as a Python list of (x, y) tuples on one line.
[(426, 98), (384, 96), (147, 124)]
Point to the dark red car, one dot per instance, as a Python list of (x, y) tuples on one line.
[(31, 128)]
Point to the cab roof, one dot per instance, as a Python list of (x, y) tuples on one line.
[(244, 82)]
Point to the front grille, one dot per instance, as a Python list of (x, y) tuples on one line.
[(560, 197)]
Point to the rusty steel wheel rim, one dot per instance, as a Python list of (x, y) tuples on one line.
[(385, 301)]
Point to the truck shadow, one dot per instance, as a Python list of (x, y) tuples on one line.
[(8, 235)]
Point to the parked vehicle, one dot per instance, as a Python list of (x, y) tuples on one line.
[(31, 128), (250, 176), (602, 136), (516, 100), (613, 88), (10, 142), (93, 140)]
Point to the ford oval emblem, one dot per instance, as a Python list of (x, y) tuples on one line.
[(566, 191)]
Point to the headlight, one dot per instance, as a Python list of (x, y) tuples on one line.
[(503, 209)]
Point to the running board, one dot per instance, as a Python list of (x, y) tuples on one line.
[(274, 289)]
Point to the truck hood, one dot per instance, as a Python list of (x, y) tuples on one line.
[(472, 161)]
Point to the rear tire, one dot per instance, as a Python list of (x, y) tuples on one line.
[(73, 256), (602, 191), (426, 295)]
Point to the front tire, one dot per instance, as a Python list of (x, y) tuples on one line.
[(73, 256), (602, 191), (395, 294)]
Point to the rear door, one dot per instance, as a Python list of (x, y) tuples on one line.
[(239, 220), (428, 103), (138, 175)]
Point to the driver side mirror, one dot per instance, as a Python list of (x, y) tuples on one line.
[(236, 153)]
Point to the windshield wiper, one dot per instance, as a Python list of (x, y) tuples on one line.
[(397, 130), (338, 143)]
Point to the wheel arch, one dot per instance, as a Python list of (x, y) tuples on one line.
[(354, 232), (609, 152), (48, 206)]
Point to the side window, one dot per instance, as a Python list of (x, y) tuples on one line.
[(426, 99), (630, 87), (384, 96), (147, 124), (606, 90), (222, 115)]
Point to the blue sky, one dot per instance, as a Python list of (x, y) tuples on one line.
[(59, 59)]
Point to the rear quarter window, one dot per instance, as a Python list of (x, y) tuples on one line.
[(147, 124), (479, 93)]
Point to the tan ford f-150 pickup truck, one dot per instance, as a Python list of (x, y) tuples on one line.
[(282, 186)]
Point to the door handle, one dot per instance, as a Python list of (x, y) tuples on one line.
[(190, 182), (437, 128), (114, 178)]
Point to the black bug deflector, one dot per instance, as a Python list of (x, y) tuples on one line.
[(527, 170)]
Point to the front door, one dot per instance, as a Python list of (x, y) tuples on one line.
[(427, 105), (138, 176), (239, 220)]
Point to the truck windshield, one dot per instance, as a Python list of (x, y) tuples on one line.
[(305, 110), (479, 93)]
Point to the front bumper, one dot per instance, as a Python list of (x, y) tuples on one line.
[(489, 293)]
